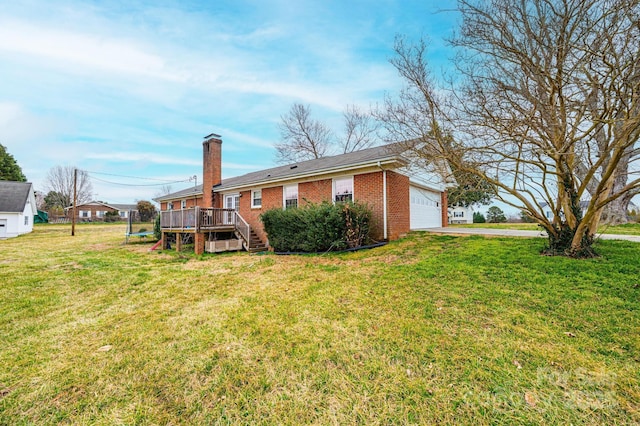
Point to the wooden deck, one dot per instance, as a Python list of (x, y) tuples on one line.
[(200, 220)]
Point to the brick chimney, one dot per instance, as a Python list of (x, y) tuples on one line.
[(211, 168)]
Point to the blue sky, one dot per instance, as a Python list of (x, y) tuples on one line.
[(130, 88)]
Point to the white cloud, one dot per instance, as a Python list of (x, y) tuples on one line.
[(85, 50)]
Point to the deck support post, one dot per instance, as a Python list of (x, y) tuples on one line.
[(199, 240), (178, 241)]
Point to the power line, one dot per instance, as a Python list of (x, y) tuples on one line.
[(132, 177), (161, 182), (138, 184)]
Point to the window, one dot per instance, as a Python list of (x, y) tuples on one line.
[(170, 206), (85, 213), (122, 213), (290, 196), (458, 214), (256, 198), (183, 204), (26, 220), (343, 189), (100, 213)]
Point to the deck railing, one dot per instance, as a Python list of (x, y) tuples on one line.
[(211, 218), (207, 218), (178, 219), (243, 228)]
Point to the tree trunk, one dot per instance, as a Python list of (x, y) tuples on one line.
[(615, 213)]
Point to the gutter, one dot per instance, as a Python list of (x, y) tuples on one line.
[(317, 173), (384, 201)]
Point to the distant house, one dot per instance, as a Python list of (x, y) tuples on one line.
[(96, 211), (401, 197), (460, 215), (17, 208)]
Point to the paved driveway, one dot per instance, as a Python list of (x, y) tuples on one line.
[(518, 233)]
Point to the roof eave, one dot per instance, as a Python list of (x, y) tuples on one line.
[(393, 161), (169, 197)]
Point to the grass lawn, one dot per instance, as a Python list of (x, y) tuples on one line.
[(626, 229), (430, 329)]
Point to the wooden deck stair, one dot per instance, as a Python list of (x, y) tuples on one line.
[(255, 243)]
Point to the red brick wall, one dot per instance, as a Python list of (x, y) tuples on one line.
[(398, 214), (367, 188), (211, 168), (315, 192), (271, 199), (94, 212), (177, 203)]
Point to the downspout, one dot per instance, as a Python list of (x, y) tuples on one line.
[(384, 201)]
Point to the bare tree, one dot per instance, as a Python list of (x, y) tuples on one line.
[(59, 183), (302, 138), (547, 109), (360, 129), (164, 190)]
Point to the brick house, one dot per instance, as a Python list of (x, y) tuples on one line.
[(400, 196), (95, 211)]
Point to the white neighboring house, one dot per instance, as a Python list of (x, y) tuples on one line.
[(460, 215), (17, 208)]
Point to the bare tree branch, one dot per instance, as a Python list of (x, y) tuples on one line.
[(360, 130), (302, 138), (59, 183)]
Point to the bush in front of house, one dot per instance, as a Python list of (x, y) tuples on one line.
[(112, 216), (318, 227)]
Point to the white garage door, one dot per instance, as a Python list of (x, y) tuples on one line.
[(426, 211)]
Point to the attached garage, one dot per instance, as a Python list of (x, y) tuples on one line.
[(425, 208)]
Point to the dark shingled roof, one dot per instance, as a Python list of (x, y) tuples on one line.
[(319, 166), (123, 207), (13, 196), (316, 166), (185, 193)]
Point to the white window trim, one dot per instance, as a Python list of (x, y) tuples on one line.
[(256, 206), (333, 187), (183, 204), (284, 195), (236, 200)]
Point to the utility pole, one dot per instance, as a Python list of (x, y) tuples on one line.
[(75, 201)]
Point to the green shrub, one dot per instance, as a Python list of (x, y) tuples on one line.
[(317, 227), (112, 216), (157, 232), (478, 218)]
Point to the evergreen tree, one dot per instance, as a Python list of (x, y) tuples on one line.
[(9, 168), (495, 215)]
